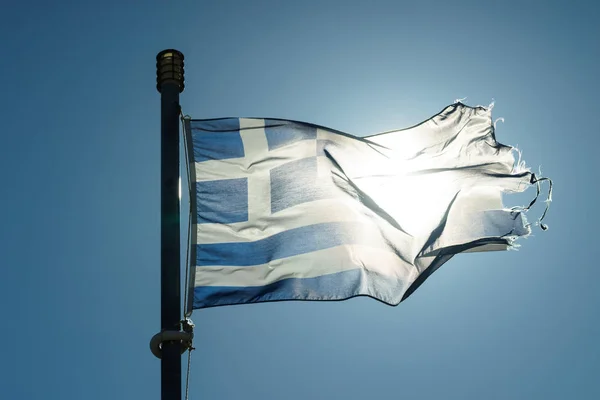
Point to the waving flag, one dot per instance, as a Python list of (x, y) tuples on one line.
[(285, 210)]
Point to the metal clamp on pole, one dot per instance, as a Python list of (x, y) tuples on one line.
[(185, 338)]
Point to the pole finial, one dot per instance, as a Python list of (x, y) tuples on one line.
[(169, 69)]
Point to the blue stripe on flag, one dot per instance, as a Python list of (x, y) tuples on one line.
[(223, 201), (296, 182), (289, 243), (283, 133), (337, 286), (216, 125), (217, 140)]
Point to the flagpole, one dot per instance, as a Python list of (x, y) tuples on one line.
[(170, 82)]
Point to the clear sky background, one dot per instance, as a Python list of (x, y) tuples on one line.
[(80, 164)]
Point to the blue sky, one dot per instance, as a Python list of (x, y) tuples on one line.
[(80, 168)]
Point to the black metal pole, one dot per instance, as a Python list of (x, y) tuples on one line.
[(170, 82)]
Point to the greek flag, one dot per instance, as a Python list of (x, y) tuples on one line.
[(286, 210)]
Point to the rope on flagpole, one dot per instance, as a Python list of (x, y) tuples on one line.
[(188, 326), (186, 323), (189, 230), (187, 375)]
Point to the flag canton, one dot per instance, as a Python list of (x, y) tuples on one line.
[(269, 160)]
